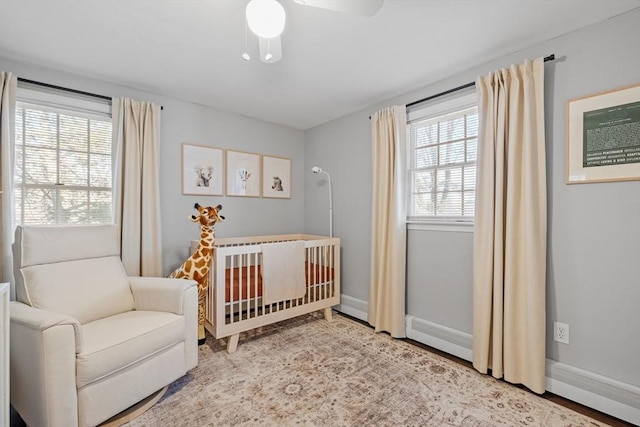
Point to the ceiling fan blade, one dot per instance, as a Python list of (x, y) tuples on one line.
[(271, 46), (357, 7)]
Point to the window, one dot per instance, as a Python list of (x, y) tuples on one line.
[(442, 161), (63, 161)]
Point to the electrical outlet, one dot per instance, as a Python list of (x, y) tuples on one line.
[(561, 332)]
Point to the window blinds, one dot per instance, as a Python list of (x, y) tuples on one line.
[(443, 151), (63, 166)]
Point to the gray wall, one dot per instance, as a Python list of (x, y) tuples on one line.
[(439, 278), (195, 124), (594, 229), (338, 148)]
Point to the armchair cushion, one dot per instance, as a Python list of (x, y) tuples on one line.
[(35, 245), (41, 245), (87, 290), (116, 343)]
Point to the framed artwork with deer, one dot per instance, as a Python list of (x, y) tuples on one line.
[(202, 170), (276, 177), (243, 174)]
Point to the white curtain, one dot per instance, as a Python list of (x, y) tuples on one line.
[(136, 175), (8, 84), (510, 234), (388, 238)]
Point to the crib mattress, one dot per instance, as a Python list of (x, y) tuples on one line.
[(244, 280)]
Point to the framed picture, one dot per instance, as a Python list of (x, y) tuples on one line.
[(202, 170), (602, 137), (276, 177), (243, 174)]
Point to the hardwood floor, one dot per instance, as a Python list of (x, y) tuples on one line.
[(596, 415)]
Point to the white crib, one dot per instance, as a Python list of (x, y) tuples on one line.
[(234, 301)]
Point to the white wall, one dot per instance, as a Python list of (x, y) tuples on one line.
[(196, 124), (594, 229)]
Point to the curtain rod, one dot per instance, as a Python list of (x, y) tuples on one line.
[(551, 57), (66, 89), (455, 89)]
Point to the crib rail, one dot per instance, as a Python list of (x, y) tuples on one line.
[(234, 301)]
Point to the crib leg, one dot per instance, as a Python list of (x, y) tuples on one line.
[(232, 343), (328, 314)]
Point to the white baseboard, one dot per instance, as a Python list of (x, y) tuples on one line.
[(449, 340), (353, 307), (601, 393)]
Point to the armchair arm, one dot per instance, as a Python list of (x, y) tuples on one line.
[(179, 296), (160, 294), (43, 365), (40, 320)]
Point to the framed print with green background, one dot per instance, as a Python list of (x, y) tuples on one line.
[(202, 170), (276, 177), (603, 137), (243, 174)]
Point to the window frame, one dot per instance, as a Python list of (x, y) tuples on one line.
[(51, 100), (436, 108)]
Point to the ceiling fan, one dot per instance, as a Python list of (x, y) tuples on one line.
[(266, 19)]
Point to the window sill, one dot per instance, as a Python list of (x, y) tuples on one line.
[(448, 226)]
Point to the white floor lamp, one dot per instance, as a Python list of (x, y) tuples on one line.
[(317, 169)]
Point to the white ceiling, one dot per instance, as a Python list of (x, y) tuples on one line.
[(333, 63)]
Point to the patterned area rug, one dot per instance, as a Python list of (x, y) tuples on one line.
[(310, 372)]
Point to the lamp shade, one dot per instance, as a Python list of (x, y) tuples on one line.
[(266, 18)]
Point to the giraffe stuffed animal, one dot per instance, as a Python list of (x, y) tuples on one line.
[(196, 267)]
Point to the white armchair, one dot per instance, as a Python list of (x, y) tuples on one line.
[(88, 342)]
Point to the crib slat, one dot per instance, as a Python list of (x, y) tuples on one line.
[(323, 281), (232, 266), (316, 273), (241, 286), (261, 299), (327, 272), (256, 294), (331, 256), (247, 288), (310, 286), (253, 300), (319, 285), (307, 296), (238, 294)]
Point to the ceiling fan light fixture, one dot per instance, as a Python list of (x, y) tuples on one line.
[(266, 18)]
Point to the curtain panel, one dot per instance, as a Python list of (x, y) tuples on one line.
[(136, 137), (510, 233), (388, 236), (8, 86)]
